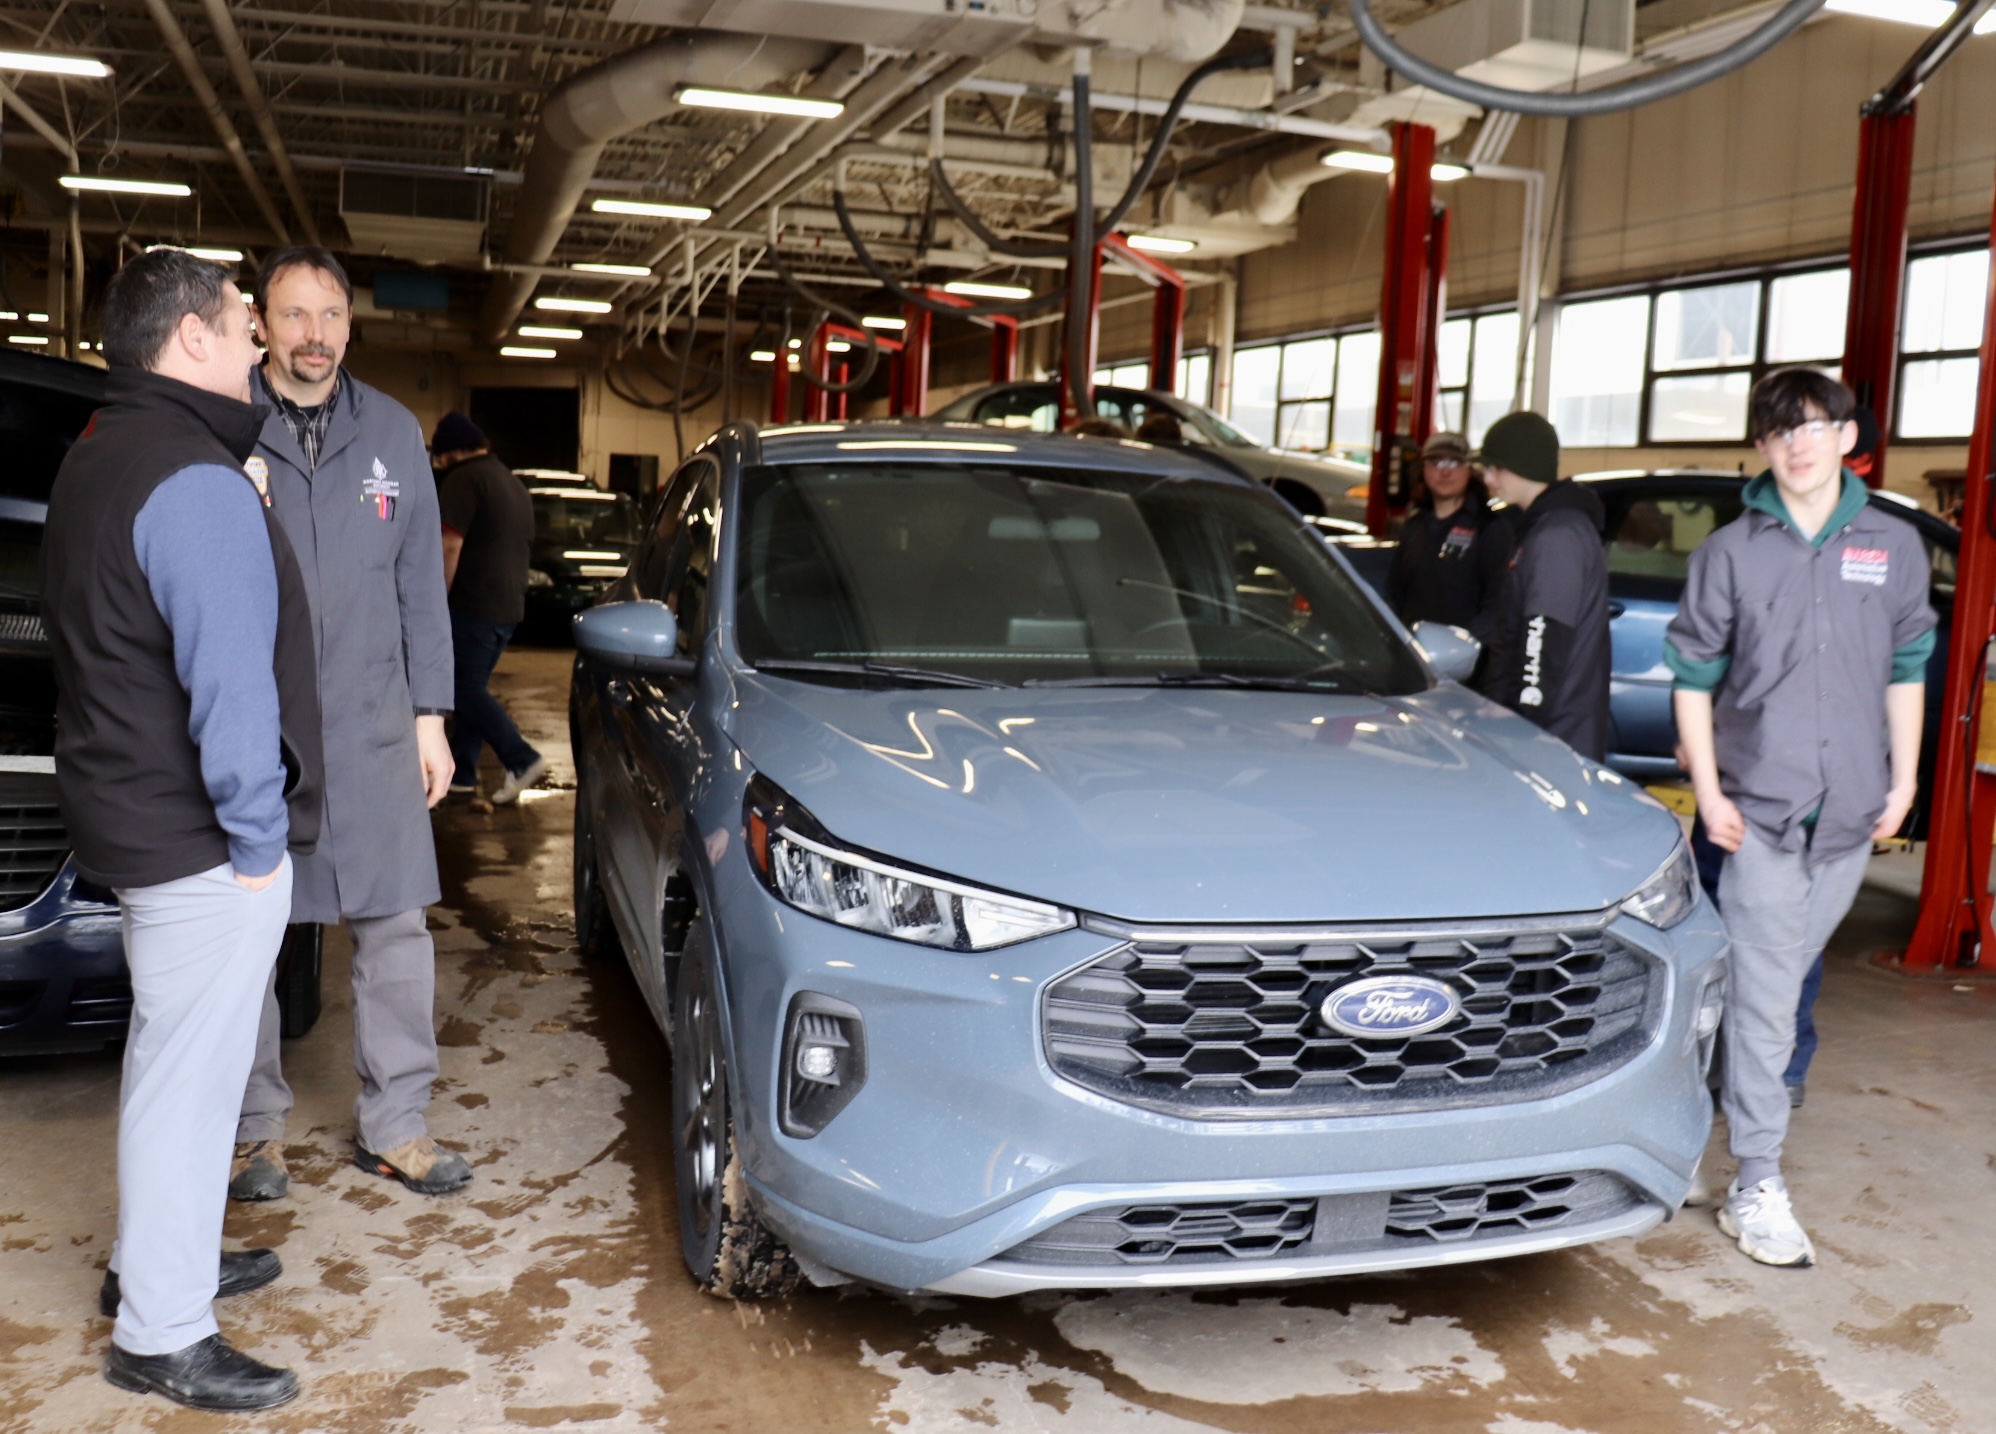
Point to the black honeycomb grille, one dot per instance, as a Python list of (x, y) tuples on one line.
[(1174, 1234), (1224, 1029), (1490, 1209)]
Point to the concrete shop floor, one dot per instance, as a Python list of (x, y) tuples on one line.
[(551, 1293)]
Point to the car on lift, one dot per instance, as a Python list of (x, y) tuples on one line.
[(1317, 485), (1060, 871), (63, 982), (1656, 518), (582, 543)]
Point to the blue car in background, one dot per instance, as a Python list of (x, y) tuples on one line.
[(1655, 520), (1051, 867)]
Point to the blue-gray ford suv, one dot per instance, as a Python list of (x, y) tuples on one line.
[(1053, 868)]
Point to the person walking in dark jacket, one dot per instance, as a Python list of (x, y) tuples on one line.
[(188, 770), (1558, 670), (488, 522), (1453, 564)]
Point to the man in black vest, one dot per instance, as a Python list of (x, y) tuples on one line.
[(187, 764)]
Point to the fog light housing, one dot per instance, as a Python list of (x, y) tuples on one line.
[(1711, 1013), (824, 1062)]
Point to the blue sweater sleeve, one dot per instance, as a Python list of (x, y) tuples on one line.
[(203, 546)]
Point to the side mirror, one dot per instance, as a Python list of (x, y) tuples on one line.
[(1451, 651), (638, 636)]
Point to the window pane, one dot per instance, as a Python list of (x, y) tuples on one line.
[(1304, 425), (1937, 398), (1306, 368), (1448, 411), (1707, 328), (1494, 380), (1132, 375), (1358, 387), (1454, 366), (1195, 378), (1944, 299), (1254, 392), (1597, 371), (1805, 316), (1656, 537), (1104, 375), (1707, 406)]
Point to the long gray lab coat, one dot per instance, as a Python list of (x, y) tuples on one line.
[(369, 542)]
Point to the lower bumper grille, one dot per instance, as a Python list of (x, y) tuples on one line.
[(1247, 1231), (1229, 1027), (33, 844)]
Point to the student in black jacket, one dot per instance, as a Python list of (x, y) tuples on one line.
[(1453, 564), (1560, 663)]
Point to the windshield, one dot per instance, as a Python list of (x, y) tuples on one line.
[(572, 519), (1222, 429), (1037, 575)]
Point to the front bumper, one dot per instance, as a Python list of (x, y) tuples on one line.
[(63, 982), (964, 1144)]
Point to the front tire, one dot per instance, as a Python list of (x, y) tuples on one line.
[(728, 1251), (595, 932)]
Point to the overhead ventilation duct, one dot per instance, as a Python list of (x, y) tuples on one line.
[(429, 218), (589, 109)]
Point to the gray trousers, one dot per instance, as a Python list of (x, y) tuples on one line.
[(1780, 913), (201, 951), (394, 1037)]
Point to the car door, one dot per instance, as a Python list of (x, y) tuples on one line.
[(1653, 527)]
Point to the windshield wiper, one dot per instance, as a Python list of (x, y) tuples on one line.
[(1235, 608), (912, 676), (1271, 682)]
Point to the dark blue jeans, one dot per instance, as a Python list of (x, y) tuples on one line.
[(1710, 858), (479, 718)]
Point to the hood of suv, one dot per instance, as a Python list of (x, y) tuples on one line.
[(1212, 805)]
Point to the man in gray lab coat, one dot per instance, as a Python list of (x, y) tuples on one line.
[(350, 482)]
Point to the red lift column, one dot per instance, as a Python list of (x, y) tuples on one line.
[(1438, 231), (1405, 326), (911, 394), (1004, 349), (817, 402), (1878, 265), (779, 386)]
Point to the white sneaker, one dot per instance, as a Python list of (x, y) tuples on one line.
[(518, 782), (1762, 1220)]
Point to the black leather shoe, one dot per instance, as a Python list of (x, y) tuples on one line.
[(208, 1375), (242, 1271)]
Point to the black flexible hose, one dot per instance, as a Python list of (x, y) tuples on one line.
[(1038, 304), (832, 306), (1081, 254), (1615, 98)]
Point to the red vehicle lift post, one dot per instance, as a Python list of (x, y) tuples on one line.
[(1438, 235), (779, 386), (1400, 424)]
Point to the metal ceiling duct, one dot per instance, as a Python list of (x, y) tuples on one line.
[(588, 110)]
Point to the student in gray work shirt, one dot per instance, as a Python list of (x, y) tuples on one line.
[(488, 540), (187, 766), (1799, 649)]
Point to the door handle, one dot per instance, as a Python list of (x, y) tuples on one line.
[(1616, 609)]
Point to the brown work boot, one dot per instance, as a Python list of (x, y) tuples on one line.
[(418, 1164), (257, 1172)]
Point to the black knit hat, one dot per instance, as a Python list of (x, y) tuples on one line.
[(457, 433), (1524, 444)]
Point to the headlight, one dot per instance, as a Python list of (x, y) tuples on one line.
[(804, 866), (1667, 898), (538, 579)]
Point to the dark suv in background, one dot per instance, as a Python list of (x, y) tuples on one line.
[(63, 983)]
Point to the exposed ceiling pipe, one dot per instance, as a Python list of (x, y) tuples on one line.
[(1204, 114), (56, 141), (836, 82), (589, 109), (231, 41), (211, 104)]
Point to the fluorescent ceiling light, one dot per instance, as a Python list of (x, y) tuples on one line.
[(542, 331), (701, 97), (8, 314), (837, 346), (101, 184), (571, 306), (1446, 173), (213, 256), (883, 321), (36, 339), (621, 271), (1927, 14), (38, 318), (515, 351), (763, 356), (1158, 244), (32, 62), (969, 289), (646, 209), (1358, 159), (577, 555), (796, 343)]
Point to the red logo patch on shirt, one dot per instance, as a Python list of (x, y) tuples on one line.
[(1866, 565)]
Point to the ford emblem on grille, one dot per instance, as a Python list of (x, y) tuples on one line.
[(1390, 1006)]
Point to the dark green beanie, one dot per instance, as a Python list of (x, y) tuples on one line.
[(1524, 444)]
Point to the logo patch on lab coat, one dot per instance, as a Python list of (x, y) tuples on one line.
[(258, 472), (1866, 565), (382, 491)]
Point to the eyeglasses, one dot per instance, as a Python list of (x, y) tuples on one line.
[(1443, 462), (1814, 429)]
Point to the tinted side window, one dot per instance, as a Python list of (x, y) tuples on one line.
[(650, 568), (1655, 537), (1035, 407), (693, 563)]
